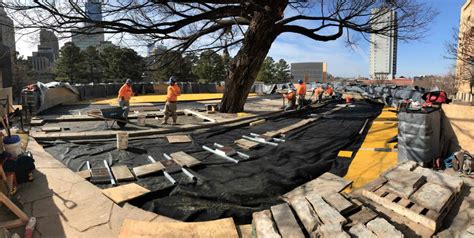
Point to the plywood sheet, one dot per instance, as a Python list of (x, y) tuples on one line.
[(325, 184), (246, 144), (286, 221), (174, 139), (125, 193), (122, 173), (209, 229), (148, 169), (184, 159)]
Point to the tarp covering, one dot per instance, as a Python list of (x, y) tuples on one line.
[(226, 189), (56, 93)]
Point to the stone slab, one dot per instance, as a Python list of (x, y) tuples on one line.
[(125, 193), (122, 173)]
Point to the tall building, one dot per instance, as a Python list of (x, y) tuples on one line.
[(383, 48), (464, 69), (7, 49), (88, 35), (316, 71), (49, 40)]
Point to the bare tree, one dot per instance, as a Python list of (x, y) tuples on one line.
[(250, 25), (461, 49)]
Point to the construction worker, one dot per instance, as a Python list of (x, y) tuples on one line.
[(171, 97), (300, 93), (291, 97), (319, 94), (329, 90), (124, 95)]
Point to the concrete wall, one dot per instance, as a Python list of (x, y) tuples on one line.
[(458, 127)]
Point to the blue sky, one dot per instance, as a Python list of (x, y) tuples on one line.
[(420, 57)]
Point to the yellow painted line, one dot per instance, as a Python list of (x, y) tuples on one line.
[(136, 100), (345, 153), (368, 165)]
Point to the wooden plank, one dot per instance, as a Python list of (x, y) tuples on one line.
[(257, 122), (199, 115), (209, 229), (148, 169), (22, 217), (325, 184), (339, 202), (246, 144), (432, 196), (445, 180), (375, 184), (296, 125), (326, 213), (361, 231), (51, 129), (85, 174), (305, 213), (125, 193), (402, 210), (363, 216), (184, 159), (330, 231), (122, 173), (382, 228), (271, 134), (37, 122), (245, 231), (264, 225), (403, 182), (175, 139), (286, 222)]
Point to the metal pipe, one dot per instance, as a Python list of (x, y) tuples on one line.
[(222, 156), (245, 156), (218, 145), (151, 159), (363, 127), (112, 179), (278, 140), (168, 176), (167, 156), (260, 140), (189, 174), (254, 135), (88, 165)]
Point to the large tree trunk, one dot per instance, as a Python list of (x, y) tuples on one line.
[(246, 64)]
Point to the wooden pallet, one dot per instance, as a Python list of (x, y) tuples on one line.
[(417, 213)]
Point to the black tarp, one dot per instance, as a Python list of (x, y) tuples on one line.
[(225, 189)]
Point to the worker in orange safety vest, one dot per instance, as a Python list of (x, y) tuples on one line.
[(124, 95), (291, 97), (300, 93), (173, 92), (319, 94)]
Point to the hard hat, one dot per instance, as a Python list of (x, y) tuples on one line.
[(172, 80), (128, 81), (300, 81)]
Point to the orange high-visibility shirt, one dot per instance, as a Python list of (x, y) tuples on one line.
[(126, 92), (301, 89), (173, 93), (330, 91), (318, 91), (289, 95)]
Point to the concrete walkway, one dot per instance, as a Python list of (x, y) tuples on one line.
[(66, 205)]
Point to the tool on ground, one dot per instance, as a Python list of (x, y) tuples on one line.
[(226, 152), (363, 127), (185, 171), (166, 174), (263, 139)]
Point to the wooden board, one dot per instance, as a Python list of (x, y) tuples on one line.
[(441, 179), (326, 213), (363, 216), (286, 222), (125, 193), (199, 115), (184, 159), (264, 225), (209, 229), (122, 173), (174, 139), (258, 122), (338, 202), (22, 218), (381, 228), (245, 231), (325, 184), (37, 122), (331, 231), (85, 174), (51, 129), (305, 213), (246, 144), (296, 125), (432, 196), (148, 169), (361, 231)]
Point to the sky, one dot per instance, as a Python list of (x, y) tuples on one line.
[(421, 57)]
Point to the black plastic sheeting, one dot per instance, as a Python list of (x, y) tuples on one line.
[(226, 189)]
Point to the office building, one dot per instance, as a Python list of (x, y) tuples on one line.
[(49, 40), (88, 35), (316, 71), (383, 47), (464, 63), (7, 49)]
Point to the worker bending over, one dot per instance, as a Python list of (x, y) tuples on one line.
[(291, 97), (318, 92), (300, 93), (124, 95), (329, 90), (171, 97)]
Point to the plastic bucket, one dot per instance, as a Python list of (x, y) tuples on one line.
[(122, 140), (12, 145), (141, 120)]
